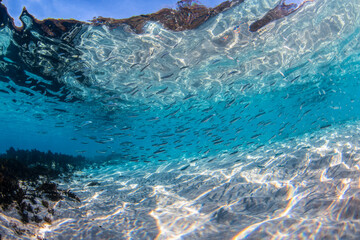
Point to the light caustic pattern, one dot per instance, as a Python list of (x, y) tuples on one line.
[(305, 188), (216, 133)]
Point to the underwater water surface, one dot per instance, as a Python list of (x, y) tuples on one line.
[(217, 132)]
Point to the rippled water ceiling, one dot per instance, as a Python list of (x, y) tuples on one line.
[(239, 121)]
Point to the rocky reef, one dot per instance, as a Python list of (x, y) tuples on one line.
[(188, 15), (27, 184)]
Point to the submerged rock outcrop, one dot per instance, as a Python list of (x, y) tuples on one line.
[(27, 183)]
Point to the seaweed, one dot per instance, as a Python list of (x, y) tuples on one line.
[(26, 179), (38, 163)]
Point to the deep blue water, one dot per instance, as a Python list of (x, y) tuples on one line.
[(219, 115)]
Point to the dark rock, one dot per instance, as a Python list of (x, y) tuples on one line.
[(30, 164), (94, 183), (36, 210), (36, 219), (45, 203), (283, 9), (24, 216), (20, 165), (51, 211), (48, 187), (186, 16), (72, 195), (47, 219), (223, 216), (19, 231), (29, 208)]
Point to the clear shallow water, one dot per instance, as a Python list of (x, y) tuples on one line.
[(306, 188), (214, 132)]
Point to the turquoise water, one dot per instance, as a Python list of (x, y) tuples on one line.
[(214, 132)]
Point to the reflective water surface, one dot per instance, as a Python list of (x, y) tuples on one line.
[(217, 132)]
